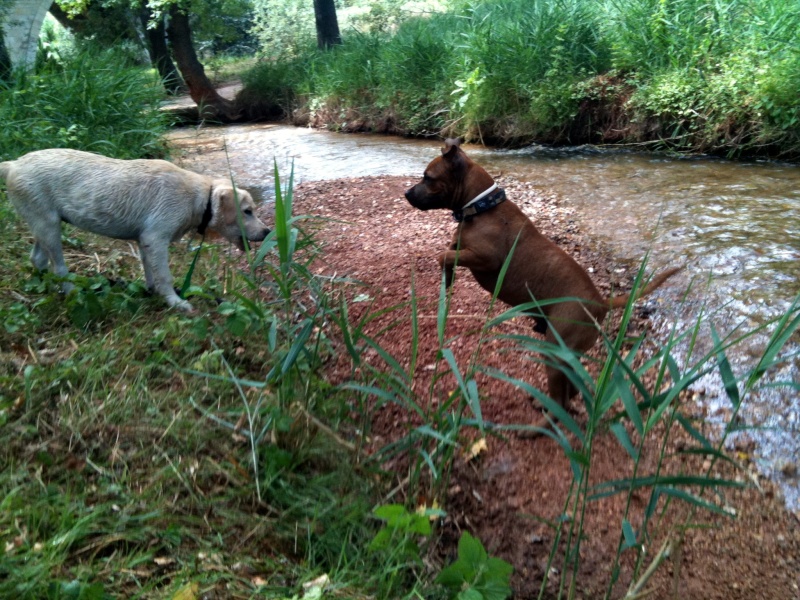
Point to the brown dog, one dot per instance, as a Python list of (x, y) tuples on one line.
[(488, 228)]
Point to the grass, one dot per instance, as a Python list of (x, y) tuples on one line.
[(688, 75), (137, 456), (87, 99)]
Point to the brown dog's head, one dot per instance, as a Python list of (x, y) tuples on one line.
[(224, 219), (450, 180)]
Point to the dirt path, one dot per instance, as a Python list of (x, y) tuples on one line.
[(374, 236)]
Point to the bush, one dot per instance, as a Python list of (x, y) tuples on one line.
[(87, 99)]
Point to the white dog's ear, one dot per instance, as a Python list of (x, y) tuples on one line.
[(227, 206)]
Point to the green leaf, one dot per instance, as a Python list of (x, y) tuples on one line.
[(499, 569), (628, 401), (454, 576), (381, 539), (628, 534), (471, 551), (697, 501), (495, 590), (726, 373), (388, 512), (618, 429), (442, 310)]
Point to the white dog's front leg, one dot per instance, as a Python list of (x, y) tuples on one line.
[(155, 259), (148, 271)]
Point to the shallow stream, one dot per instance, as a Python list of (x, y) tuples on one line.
[(735, 225)]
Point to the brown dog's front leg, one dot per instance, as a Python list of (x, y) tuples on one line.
[(447, 261), (469, 259)]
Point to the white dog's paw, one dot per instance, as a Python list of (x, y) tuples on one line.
[(182, 305)]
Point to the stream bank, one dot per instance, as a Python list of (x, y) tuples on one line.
[(735, 225), (508, 493)]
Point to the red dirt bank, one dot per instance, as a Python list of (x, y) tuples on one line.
[(374, 236)]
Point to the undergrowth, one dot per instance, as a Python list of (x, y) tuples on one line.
[(85, 98)]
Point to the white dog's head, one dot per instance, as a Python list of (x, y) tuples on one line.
[(224, 217)]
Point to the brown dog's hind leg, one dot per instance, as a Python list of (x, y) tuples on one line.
[(559, 387)]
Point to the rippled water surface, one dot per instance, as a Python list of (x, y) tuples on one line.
[(735, 225)]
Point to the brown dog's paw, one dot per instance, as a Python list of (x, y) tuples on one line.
[(449, 276)]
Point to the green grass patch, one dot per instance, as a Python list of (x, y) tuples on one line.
[(86, 98)]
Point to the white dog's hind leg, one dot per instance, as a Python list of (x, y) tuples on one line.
[(47, 247), (155, 258)]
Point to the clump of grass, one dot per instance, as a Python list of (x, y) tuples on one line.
[(640, 413), (145, 451), (86, 98)]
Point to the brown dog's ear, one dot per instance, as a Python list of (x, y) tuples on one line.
[(451, 146)]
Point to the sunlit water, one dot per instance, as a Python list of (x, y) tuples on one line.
[(735, 225)]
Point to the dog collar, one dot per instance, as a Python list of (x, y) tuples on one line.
[(206, 215), (484, 201)]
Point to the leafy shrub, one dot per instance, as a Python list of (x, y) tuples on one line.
[(476, 575), (88, 99)]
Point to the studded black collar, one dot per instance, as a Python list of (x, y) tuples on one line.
[(482, 205)]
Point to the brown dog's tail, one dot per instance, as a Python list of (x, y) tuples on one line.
[(655, 282)]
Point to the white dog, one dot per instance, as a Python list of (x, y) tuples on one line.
[(150, 201)]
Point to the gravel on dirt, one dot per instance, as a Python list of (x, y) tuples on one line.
[(510, 491)]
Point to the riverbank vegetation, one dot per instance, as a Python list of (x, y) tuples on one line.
[(151, 454), (83, 97), (686, 75)]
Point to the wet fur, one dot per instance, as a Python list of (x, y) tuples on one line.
[(538, 269), (151, 201)]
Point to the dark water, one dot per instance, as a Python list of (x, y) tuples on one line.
[(736, 227)]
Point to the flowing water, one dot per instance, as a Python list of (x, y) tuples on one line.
[(735, 225)]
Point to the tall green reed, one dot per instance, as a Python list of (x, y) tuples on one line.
[(633, 393), (280, 299), (519, 61), (692, 75), (638, 410)]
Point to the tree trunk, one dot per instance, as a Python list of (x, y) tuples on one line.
[(209, 102), (5, 59), (327, 24), (159, 53)]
